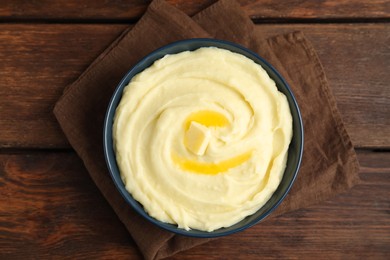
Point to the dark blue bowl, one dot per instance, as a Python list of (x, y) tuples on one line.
[(294, 153)]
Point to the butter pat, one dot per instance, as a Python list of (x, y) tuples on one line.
[(197, 138)]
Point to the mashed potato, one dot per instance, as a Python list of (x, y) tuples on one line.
[(201, 138)]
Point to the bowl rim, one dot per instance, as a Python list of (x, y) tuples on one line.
[(110, 157)]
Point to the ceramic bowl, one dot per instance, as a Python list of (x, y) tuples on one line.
[(294, 152)]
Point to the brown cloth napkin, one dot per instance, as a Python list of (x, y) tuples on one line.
[(329, 164)]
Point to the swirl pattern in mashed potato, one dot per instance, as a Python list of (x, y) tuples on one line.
[(201, 138)]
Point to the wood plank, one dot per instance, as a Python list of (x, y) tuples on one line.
[(260, 9), (49, 207), (38, 61)]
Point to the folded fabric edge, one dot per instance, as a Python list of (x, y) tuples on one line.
[(347, 142), (351, 164)]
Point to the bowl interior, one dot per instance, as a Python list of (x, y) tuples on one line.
[(294, 152)]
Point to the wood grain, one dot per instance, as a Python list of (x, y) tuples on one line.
[(38, 61), (130, 10), (49, 207)]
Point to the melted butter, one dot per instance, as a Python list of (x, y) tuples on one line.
[(207, 118), (210, 168), (195, 140)]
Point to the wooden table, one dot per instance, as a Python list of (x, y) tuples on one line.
[(49, 206)]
